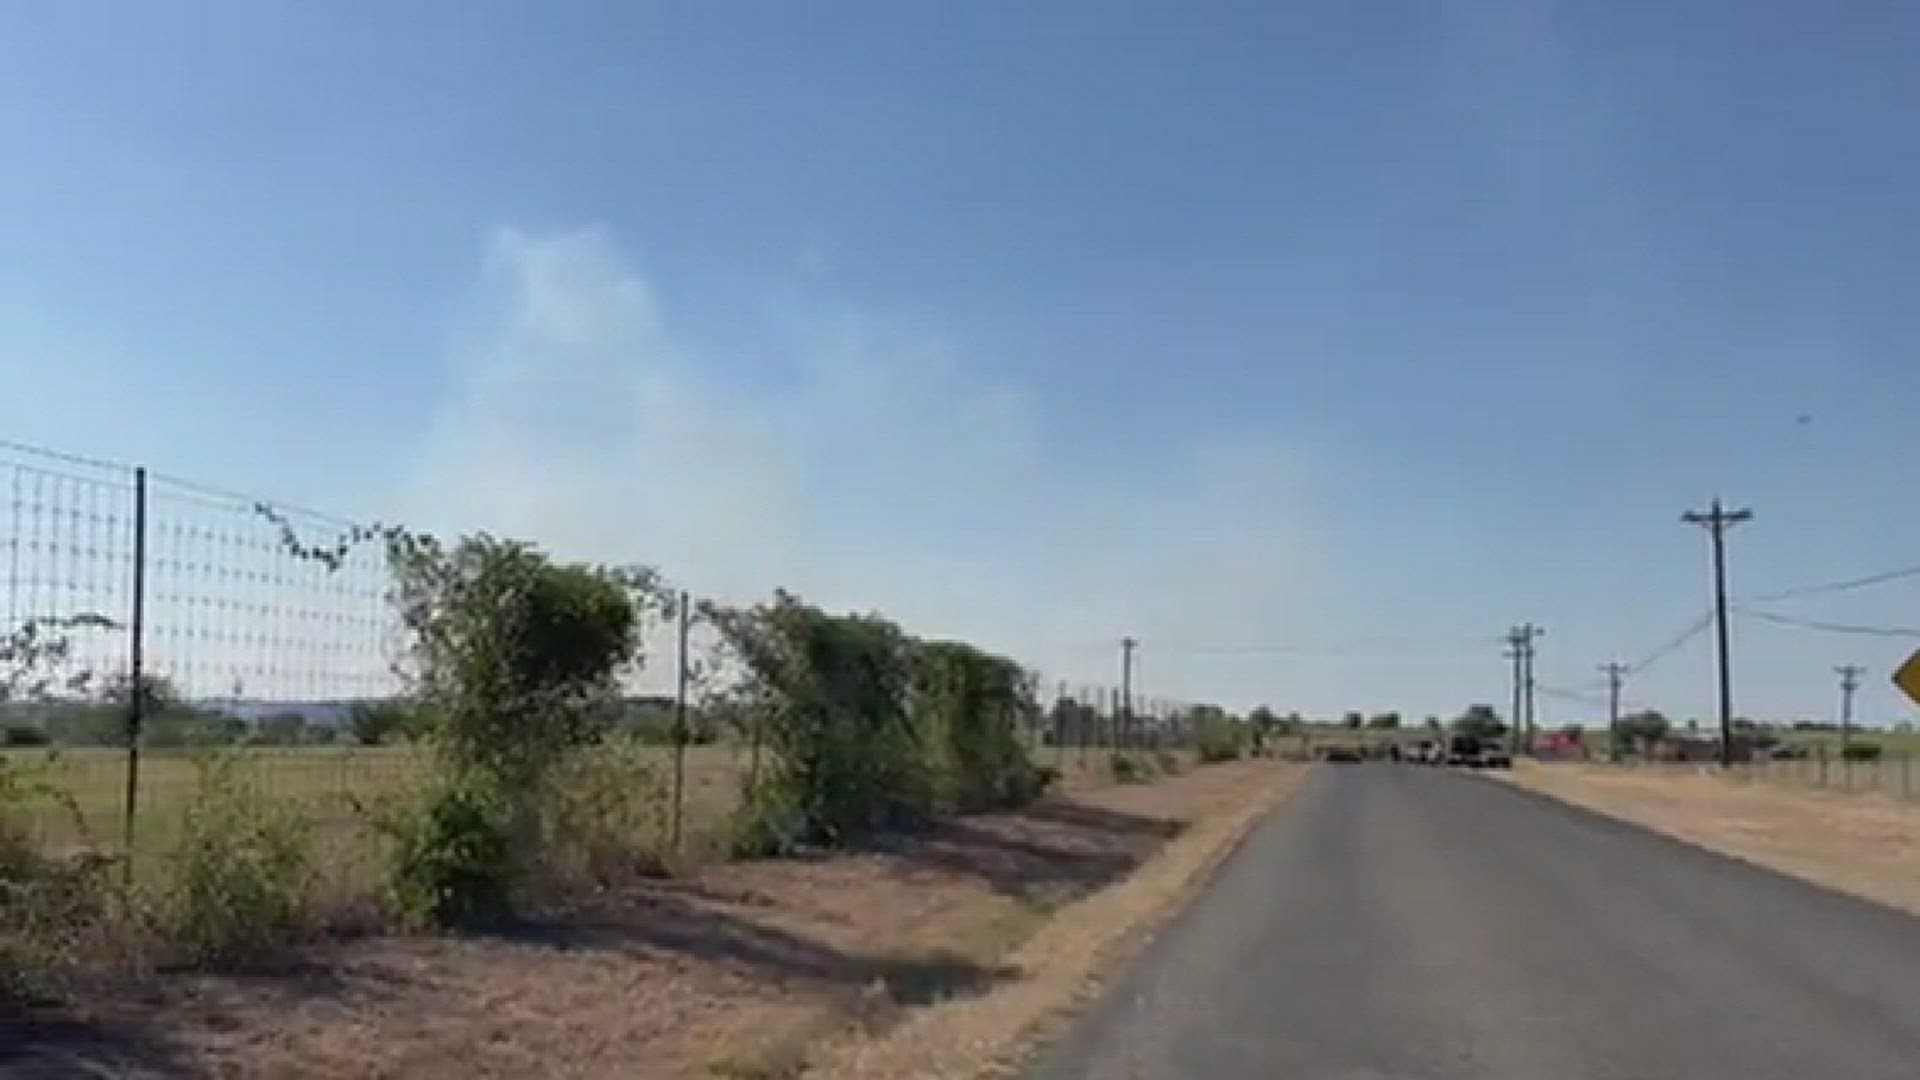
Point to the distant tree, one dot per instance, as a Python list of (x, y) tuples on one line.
[(1433, 723), (280, 729), (1386, 721), (374, 722), (1262, 719), (1292, 724), (1646, 727), (1352, 721), (1480, 721)]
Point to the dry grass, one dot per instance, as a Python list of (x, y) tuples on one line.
[(1867, 845), (739, 969)]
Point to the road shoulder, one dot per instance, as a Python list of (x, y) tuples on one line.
[(1866, 846), (1066, 962)]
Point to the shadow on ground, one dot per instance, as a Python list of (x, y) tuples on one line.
[(1044, 854), (661, 921), (738, 918), (45, 1045)]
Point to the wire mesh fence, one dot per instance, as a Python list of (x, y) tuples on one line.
[(1889, 773), (149, 617)]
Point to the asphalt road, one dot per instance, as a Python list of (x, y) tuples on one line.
[(1402, 922)]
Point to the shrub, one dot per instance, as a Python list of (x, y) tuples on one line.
[(239, 877), (968, 706), (518, 657), (453, 855), (23, 735), (1217, 737), (827, 697), (517, 662), (1861, 751), (1167, 762), (606, 815), (1127, 769)]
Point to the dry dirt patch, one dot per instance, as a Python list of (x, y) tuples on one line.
[(1863, 844), (740, 970)]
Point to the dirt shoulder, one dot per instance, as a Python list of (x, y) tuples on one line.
[(1861, 844), (752, 969)]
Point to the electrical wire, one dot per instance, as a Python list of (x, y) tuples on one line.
[(1668, 648), (1837, 586), (1830, 627)]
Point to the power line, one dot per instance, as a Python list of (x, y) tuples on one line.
[(1837, 586), (1673, 645), (1830, 627)]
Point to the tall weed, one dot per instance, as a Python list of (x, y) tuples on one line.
[(240, 876)]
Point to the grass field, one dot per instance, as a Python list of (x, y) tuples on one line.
[(342, 792)]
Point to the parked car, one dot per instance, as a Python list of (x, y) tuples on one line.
[(1343, 754), (1495, 756)]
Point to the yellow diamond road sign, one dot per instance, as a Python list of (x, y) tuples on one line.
[(1907, 677)]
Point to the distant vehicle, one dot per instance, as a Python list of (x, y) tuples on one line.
[(1495, 756), (1425, 752), (1344, 754), (1463, 750)]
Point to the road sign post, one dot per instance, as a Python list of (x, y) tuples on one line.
[(1907, 677)]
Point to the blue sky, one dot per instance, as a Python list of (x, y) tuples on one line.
[(1364, 330)]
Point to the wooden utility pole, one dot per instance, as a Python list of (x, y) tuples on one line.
[(1520, 650), (1849, 682), (1615, 672), (1717, 520)]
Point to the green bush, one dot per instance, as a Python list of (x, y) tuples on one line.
[(968, 709), (517, 664), (23, 735), (1217, 737), (1168, 762), (453, 856), (239, 878), (1861, 751), (1127, 769), (827, 697)]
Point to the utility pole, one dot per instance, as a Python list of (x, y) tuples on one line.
[(1615, 672), (1717, 520), (1849, 682), (1127, 645), (1515, 652), (1520, 650)]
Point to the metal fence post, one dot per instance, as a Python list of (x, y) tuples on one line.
[(1906, 775), (136, 682), (679, 732), (1820, 778), (1056, 721)]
